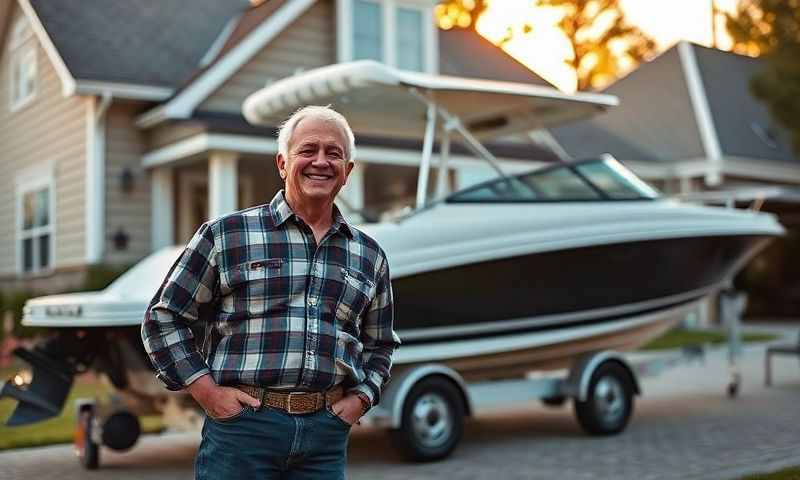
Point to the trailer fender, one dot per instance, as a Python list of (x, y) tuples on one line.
[(580, 374), (395, 394)]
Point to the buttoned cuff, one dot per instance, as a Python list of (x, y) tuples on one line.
[(182, 373), (365, 391)]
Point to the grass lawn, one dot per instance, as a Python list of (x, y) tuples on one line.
[(61, 428), (680, 337), (792, 473)]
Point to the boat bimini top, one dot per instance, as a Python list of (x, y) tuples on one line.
[(379, 99)]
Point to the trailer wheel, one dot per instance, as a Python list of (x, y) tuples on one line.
[(432, 421), (609, 403), (87, 450)]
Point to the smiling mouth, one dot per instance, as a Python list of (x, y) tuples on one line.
[(313, 176)]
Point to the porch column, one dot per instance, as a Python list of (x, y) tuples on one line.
[(352, 194), (222, 183), (162, 208)]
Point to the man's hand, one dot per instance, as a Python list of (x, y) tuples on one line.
[(348, 408), (217, 401)]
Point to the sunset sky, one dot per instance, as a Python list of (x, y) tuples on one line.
[(544, 49)]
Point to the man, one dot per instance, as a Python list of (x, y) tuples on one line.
[(298, 310)]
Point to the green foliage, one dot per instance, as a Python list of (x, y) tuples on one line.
[(681, 337), (771, 28), (792, 473), (98, 277), (59, 429), (15, 301)]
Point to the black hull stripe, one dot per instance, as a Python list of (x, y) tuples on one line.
[(544, 328)]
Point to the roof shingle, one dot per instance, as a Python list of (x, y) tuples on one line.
[(136, 41)]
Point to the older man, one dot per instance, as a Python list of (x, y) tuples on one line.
[(297, 307)]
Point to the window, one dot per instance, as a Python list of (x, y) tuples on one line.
[(410, 52), (400, 33), (23, 65), (588, 180), (615, 180), (35, 226), (367, 38)]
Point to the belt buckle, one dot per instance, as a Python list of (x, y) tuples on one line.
[(289, 403)]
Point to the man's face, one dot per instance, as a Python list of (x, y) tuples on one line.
[(316, 168)]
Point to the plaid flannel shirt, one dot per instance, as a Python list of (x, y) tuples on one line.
[(278, 310)]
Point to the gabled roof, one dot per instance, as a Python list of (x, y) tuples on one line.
[(654, 121), (658, 119), (254, 29), (136, 41), (172, 46), (743, 123), (465, 53)]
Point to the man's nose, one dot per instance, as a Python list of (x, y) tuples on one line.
[(320, 158)]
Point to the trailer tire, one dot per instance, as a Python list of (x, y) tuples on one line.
[(609, 403), (88, 450), (433, 420)]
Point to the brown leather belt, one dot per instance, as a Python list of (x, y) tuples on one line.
[(294, 402)]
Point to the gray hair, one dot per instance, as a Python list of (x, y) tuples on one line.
[(326, 113)]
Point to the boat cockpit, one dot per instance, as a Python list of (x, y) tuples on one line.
[(598, 179)]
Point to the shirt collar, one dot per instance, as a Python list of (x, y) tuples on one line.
[(281, 211)]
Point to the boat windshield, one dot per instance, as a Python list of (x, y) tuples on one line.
[(598, 179)]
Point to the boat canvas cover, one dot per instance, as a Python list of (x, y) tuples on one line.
[(379, 99)]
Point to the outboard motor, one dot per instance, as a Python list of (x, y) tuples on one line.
[(55, 362)]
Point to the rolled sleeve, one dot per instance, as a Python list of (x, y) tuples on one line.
[(193, 280)]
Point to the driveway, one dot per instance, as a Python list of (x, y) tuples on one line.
[(684, 427)]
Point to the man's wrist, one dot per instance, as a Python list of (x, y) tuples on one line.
[(365, 403)]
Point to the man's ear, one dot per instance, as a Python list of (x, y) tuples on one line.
[(347, 169), (280, 161)]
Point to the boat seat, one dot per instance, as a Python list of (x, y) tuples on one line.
[(779, 350)]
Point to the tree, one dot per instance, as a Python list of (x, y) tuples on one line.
[(604, 44), (771, 28), (459, 13)]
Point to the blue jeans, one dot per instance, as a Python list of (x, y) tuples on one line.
[(271, 444)]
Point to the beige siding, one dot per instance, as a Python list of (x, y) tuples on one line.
[(51, 128), (309, 42), (126, 211), (168, 133)]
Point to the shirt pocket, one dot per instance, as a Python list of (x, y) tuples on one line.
[(356, 295), (256, 286)]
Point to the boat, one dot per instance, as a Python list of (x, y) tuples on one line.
[(523, 272)]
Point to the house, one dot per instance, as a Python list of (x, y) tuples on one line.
[(687, 122), (121, 122)]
